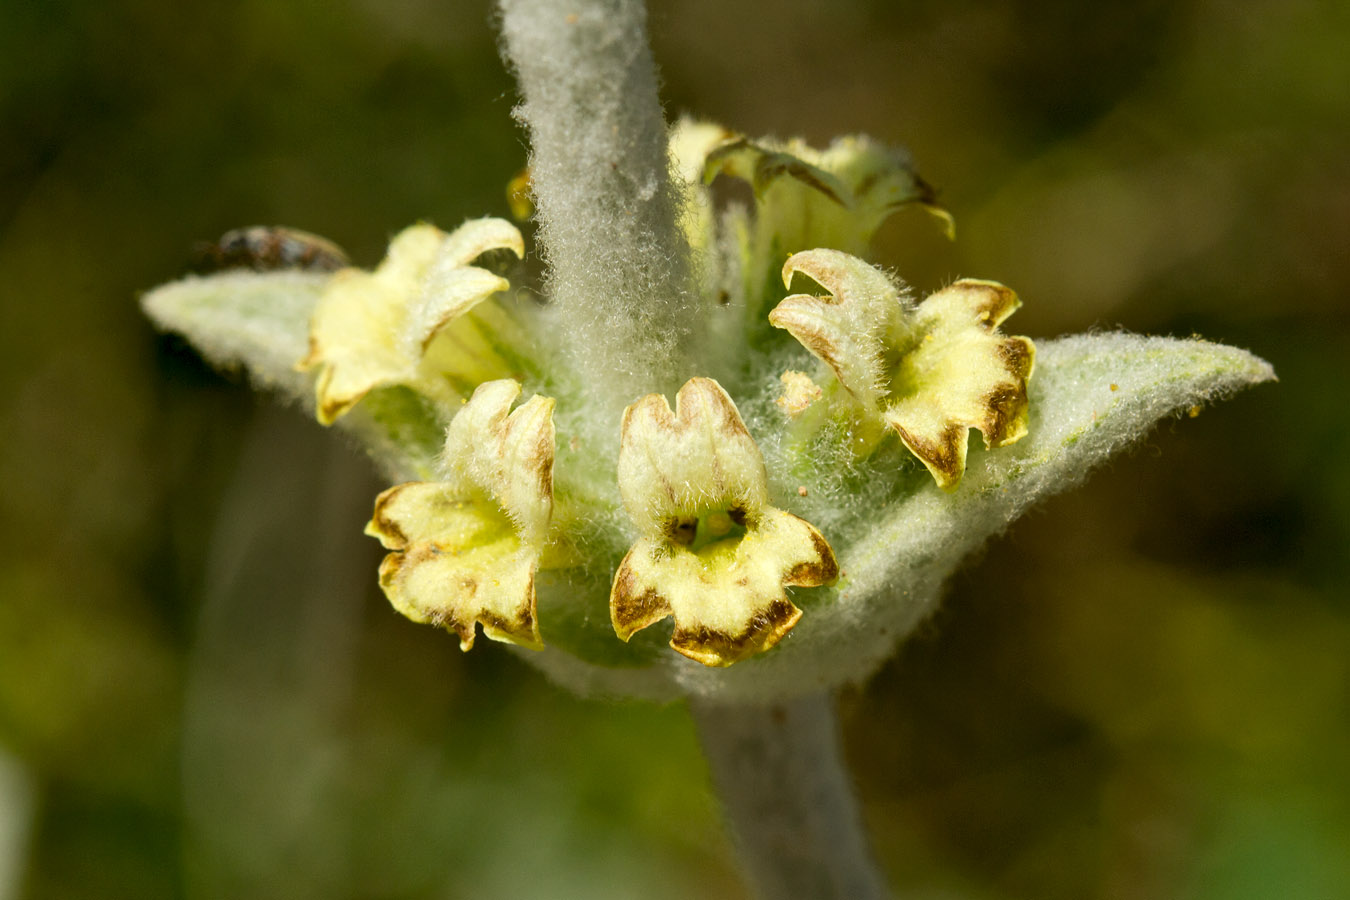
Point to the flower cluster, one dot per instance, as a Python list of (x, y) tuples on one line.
[(813, 483), (711, 550)]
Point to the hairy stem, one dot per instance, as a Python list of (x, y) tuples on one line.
[(620, 274), (779, 771)]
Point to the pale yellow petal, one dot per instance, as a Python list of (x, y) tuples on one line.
[(449, 287), (410, 253), (457, 561), (526, 487), (850, 327), (961, 373), (489, 585), (352, 341), (407, 513), (355, 335), (677, 464), (474, 238), (453, 294), (727, 598), (506, 455)]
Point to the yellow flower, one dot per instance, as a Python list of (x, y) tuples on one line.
[(712, 552), (466, 549), (929, 373), (409, 322)]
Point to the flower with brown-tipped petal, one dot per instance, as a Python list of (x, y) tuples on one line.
[(930, 372), (712, 552), (466, 548)]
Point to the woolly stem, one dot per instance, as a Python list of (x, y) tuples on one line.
[(779, 771), (620, 275)]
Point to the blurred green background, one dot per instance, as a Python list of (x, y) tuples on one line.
[(1142, 691)]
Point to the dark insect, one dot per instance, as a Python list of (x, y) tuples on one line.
[(267, 248)]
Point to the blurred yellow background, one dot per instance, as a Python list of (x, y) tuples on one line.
[(1142, 691)]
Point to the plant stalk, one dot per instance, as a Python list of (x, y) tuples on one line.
[(779, 771), (620, 276), (621, 285)]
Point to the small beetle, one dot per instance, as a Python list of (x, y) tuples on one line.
[(267, 248)]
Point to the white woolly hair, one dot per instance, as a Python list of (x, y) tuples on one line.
[(623, 301)]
